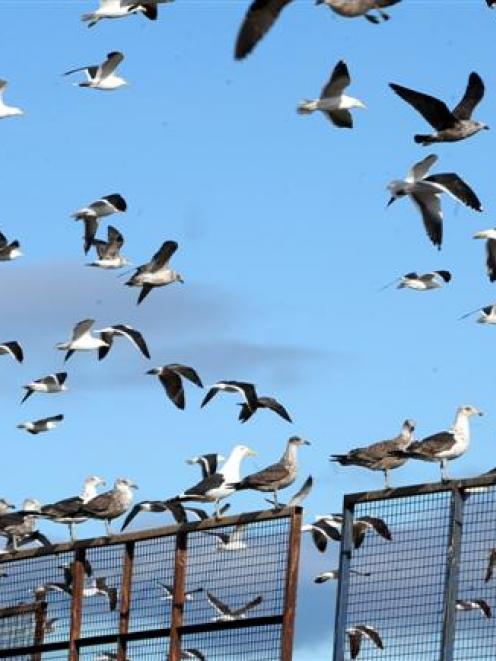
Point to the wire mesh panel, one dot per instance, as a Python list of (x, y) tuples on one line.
[(260, 644)]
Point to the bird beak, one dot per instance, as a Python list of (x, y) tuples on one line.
[(20, 426), (306, 443), (479, 235), (486, 128), (480, 412), (133, 485), (153, 371), (390, 202), (251, 453)]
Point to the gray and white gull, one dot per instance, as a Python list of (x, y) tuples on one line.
[(171, 377), (91, 216), (108, 252), (102, 76), (41, 425), (52, 383), (121, 9)]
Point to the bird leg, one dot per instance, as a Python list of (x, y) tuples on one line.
[(107, 527), (276, 502), (444, 471), (72, 531), (386, 479)]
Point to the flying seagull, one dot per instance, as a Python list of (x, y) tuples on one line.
[(102, 76), (378, 455), (490, 565), (207, 462), (263, 403), (122, 8), (111, 504), (487, 314), (332, 102), (228, 614), (9, 251), (157, 506), (170, 376), (169, 592), (247, 390), (14, 349), (49, 384), (356, 635), (157, 272), (474, 604), (107, 335), (81, 340), (192, 653), (450, 125), (490, 236), (232, 541), (258, 20), (446, 445), (108, 252), (99, 587), (425, 193), (91, 215), (277, 476), (329, 527), (44, 424), (5, 110), (424, 281), (299, 496), (333, 574), (354, 8)]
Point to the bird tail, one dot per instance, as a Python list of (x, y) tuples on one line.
[(339, 458), (305, 107), (423, 139), (90, 19)]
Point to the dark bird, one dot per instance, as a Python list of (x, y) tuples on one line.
[(354, 8), (263, 403), (228, 614), (94, 212), (246, 390), (450, 125), (258, 20), (14, 349), (157, 272), (38, 426), (108, 252), (49, 384), (474, 604), (487, 314), (9, 251), (108, 335), (111, 504), (170, 377), (356, 635)]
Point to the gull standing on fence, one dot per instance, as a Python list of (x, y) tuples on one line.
[(21, 524), (354, 8), (91, 216), (102, 76), (111, 504), (48, 384)]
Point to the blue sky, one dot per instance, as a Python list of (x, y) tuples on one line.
[(284, 243)]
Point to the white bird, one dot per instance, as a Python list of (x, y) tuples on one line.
[(425, 281), (474, 604), (356, 635), (82, 340), (332, 102), (425, 192), (108, 335), (91, 215), (108, 252), (48, 384), (9, 251), (228, 614), (102, 76), (157, 272), (38, 426), (14, 349), (487, 314), (121, 9), (5, 110), (490, 236)]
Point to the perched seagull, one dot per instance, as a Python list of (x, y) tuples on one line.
[(91, 215), (82, 340), (446, 445), (329, 527), (247, 390), (5, 110), (332, 102), (258, 20), (102, 76), (67, 511), (474, 604), (487, 316), (157, 272), (263, 403), (20, 524), (9, 251), (192, 653), (107, 335), (277, 476), (108, 252), (207, 462), (122, 8), (233, 541), (227, 614), (378, 455), (38, 426), (111, 504), (14, 349), (490, 236), (99, 587), (170, 377), (49, 384), (357, 633), (490, 565), (450, 125), (299, 496), (354, 8), (157, 506), (333, 574), (425, 193), (169, 592), (222, 483), (425, 281)]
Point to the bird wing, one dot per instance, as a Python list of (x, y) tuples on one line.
[(81, 328), (484, 606), (204, 486), (98, 505), (115, 199), (341, 118), (111, 63), (145, 290), (15, 350), (115, 241), (371, 633), (355, 639), (162, 256), (420, 169), (429, 205), (219, 606), (245, 412), (258, 20), (319, 538), (166, 587), (490, 565), (91, 70), (102, 248), (247, 390), (274, 405), (3, 87), (491, 259), (432, 444), (210, 394), (58, 378), (173, 387), (65, 507), (134, 336), (3, 240), (196, 654), (451, 183), (108, 337), (90, 228), (302, 493), (269, 475), (53, 418), (251, 604), (379, 525), (433, 110), (188, 373), (339, 81), (473, 95)]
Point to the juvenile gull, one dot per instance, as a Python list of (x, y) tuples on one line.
[(474, 604), (378, 455), (102, 76), (450, 125), (332, 102), (487, 314), (170, 376), (425, 193), (91, 215), (490, 236), (228, 614), (44, 424), (5, 110), (208, 463), (157, 272), (9, 251), (258, 20), (446, 445), (111, 504), (108, 335), (264, 403), (14, 349), (247, 390), (108, 252), (356, 635), (49, 384), (354, 8), (81, 340)]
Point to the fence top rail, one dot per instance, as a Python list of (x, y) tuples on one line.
[(418, 490), (152, 533)]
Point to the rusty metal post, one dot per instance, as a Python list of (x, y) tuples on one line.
[(180, 564), (39, 625), (126, 584), (288, 617), (76, 602)]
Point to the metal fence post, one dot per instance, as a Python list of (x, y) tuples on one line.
[(452, 574), (291, 585), (126, 584), (180, 564), (76, 602), (344, 578)]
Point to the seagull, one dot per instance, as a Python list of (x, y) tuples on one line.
[(38, 426), (102, 76), (170, 377), (333, 574), (450, 125), (425, 193), (357, 633), (354, 8), (107, 335), (14, 349), (207, 462), (82, 340), (232, 541), (5, 110), (474, 604), (490, 565), (157, 272), (192, 653), (228, 614), (9, 251), (111, 504), (332, 102), (264, 403), (378, 455), (258, 20), (490, 236), (299, 496), (69, 571), (49, 625), (122, 8), (446, 445), (91, 215), (247, 390), (276, 476), (329, 527), (169, 592), (157, 506), (108, 252), (5, 506), (425, 281), (49, 384), (19, 524), (487, 316), (99, 587)]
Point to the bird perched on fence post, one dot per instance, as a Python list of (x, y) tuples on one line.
[(111, 504)]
